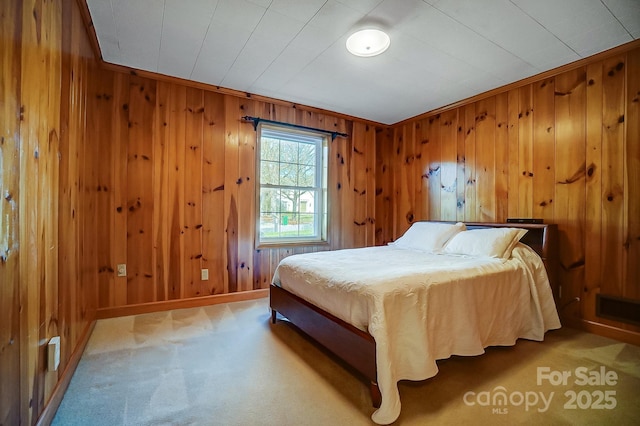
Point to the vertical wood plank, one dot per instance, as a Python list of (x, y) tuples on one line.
[(175, 192), (434, 167), (502, 157), (231, 177), (359, 167), (192, 230), (10, 172), (485, 160), (613, 225), (246, 198), (120, 115), (448, 174), (100, 107), (423, 160), (470, 162), (370, 190), (346, 186), (631, 287), (593, 190), (410, 154), (161, 165), (32, 86), (525, 152), (544, 149), (384, 187), (213, 171), (461, 165), (570, 174), (514, 153), (140, 190)]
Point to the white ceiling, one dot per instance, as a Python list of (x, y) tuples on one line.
[(441, 51)]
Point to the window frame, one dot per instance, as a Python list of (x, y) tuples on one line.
[(321, 205)]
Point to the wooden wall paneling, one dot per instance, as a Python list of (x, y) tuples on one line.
[(632, 167), (161, 166), (231, 177), (502, 157), (470, 162), (384, 187), (10, 333), (419, 169), (448, 165), (100, 106), (140, 191), (119, 146), (614, 228), (593, 271), (192, 188), (213, 191), (247, 138), (544, 149), (485, 160), (569, 196), (525, 152), (176, 201), (513, 208)]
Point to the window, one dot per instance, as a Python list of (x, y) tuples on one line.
[(292, 173)]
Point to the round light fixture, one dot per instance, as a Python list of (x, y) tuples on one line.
[(368, 42)]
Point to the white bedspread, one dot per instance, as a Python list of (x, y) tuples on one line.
[(421, 307)]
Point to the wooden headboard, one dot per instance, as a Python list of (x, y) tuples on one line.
[(543, 238)]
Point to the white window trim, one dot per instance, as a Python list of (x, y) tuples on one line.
[(321, 207)]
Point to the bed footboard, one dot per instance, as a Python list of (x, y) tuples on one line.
[(353, 346)]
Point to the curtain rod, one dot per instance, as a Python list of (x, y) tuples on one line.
[(258, 120)]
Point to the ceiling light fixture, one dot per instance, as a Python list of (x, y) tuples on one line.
[(368, 42)]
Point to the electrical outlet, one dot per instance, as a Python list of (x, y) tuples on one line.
[(122, 269), (204, 274), (53, 353)]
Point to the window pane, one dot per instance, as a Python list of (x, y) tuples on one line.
[(306, 175), (289, 200), (307, 224), (269, 173), (288, 174), (289, 151), (269, 200), (307, 153), (270, 149), (269, 226)]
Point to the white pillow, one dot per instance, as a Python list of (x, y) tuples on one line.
[(428, 236), (489, 242)]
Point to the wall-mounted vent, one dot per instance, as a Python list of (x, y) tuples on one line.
[(618, 308)]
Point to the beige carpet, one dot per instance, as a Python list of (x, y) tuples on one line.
[(227, 365)]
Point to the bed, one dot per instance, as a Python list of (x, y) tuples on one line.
[(390, 312)]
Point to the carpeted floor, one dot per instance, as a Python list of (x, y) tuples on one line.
[(227, 365)]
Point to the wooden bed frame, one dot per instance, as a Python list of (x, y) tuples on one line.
[(357, 348)]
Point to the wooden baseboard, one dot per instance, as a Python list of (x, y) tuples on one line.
[(626, 336), (145, 308), (50, 409)]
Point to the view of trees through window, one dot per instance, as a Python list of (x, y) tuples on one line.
[(291, 172)]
